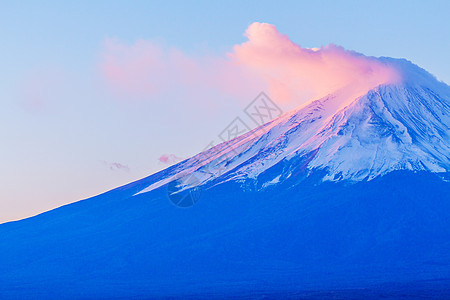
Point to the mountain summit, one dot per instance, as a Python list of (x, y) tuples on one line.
[(349, 192), (344, 136)]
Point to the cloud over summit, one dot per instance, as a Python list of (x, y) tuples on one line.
[(294, 72), (267, 61)]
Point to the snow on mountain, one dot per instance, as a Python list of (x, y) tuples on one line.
[(401, 126)]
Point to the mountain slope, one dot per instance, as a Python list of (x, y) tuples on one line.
[(348, 192), (393, 229)]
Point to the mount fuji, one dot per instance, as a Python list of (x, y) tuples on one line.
[(346, 196), (392, 127)]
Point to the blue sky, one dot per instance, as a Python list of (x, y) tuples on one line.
[(74, 140)]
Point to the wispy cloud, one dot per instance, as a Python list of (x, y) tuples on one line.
[(147, 69), (135, 70), (115, 166)]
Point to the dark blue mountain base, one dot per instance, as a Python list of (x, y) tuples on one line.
[(386, 237)]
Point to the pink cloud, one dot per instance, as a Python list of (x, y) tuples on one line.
[(268, 61), (295, 72), (169, 159)]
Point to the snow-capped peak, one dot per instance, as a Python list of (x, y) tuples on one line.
[(401, 126)]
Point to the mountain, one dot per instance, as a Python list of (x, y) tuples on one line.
[(346, 196)]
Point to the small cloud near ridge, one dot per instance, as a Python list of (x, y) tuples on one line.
[(115, 166), (169, 159)]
